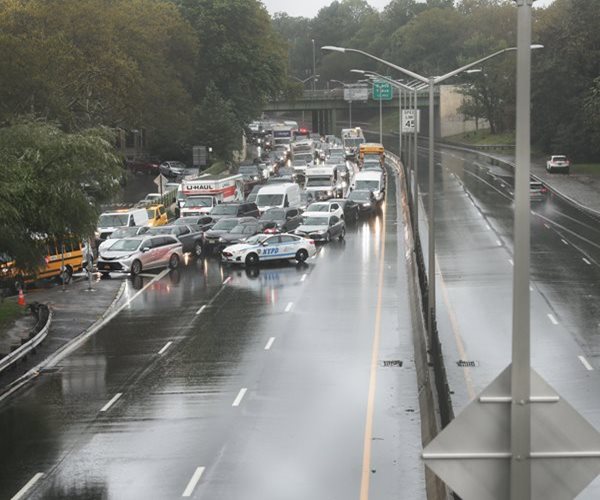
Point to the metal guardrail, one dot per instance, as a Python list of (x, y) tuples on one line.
[(28, 346)]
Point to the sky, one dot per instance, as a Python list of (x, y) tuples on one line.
[(309, 8)]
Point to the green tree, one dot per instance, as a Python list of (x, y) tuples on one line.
[(53, 184), (239, 52), (120, 63), (216, 124)]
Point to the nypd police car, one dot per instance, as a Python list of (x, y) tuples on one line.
[(264, 247)]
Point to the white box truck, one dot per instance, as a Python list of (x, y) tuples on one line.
[(201, 194)]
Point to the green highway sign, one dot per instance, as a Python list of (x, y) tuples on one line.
[(382, 91)]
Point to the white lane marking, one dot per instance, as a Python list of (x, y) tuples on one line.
[(201, 310), (564, 241), (23, 491), (303, 277), (511, 262), (530, 288), (547, 226), (488, 227), (239, 397), (499, 243), (111, 402), (227, 280), (553, 319), (166, 346), (288, 308), (586, 261), (189, 489), (585, 363), (269, 343)]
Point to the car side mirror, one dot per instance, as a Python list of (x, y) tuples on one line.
[(145, 249)]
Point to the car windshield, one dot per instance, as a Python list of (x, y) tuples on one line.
[(184, 221), (160, 230), (265, 200), (124, 232), (303, 157), (257, 238), (225, 210), (201, 201), (316, 221), (318, 207), (360, 195), (239, 229), (113, 220), (225, 224), (370, 185), (318, 181), (248, 169), (353, 142), (125, 245), (560, 158), (273, 214)]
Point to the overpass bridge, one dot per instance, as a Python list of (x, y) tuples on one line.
[(325, 107)]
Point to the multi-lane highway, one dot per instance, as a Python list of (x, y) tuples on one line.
[(221, 383), (474, 248)]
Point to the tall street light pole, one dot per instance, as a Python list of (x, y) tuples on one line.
[(520, 414), (431, 82), (314, 83)]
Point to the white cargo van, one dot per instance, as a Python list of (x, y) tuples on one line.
[(281, 195), (110, 221), (371, 180)]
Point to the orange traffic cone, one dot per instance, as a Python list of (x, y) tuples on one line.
[(21, 299)]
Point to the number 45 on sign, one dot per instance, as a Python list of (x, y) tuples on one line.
[(408, 121)]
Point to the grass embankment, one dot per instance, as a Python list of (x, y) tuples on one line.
[(216, 168), (10, 311), (586, 168), (390, 122), (483, 137)]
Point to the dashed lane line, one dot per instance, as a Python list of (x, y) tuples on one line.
[(201, 310), (288, 308), (269, 343), (111, 402), (30, 484), (586, 261), (240, 396), (585, 363), (189, 489), (166, 346), (553, 319)]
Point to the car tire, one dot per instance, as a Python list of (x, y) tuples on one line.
[(174, 261), (342, 234), (301, 255), (251, 259), (198, 250), (136, 268)]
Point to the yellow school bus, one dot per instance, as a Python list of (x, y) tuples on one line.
[(71, 255), (371, 149)]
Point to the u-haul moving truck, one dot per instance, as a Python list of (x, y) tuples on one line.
[(202, 193)]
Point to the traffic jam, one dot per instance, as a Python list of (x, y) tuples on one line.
[(300, 191)]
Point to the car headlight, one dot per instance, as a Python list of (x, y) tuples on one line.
[(222, 240), (344, 184), (367, 204), (255, 177), (329, 192)]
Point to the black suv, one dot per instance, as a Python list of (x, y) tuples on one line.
[(237, 209)]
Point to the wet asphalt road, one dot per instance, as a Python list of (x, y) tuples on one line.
[(474, 247), (223, 383)]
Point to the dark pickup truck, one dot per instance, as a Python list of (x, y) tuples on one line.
[(190, 236), (149, 167)]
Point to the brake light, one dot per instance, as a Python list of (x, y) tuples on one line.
[(311, 242), (544, 190)]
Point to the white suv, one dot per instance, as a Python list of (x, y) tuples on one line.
[(559, 163)]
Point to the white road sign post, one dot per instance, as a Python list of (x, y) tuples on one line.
[(161, 181)]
